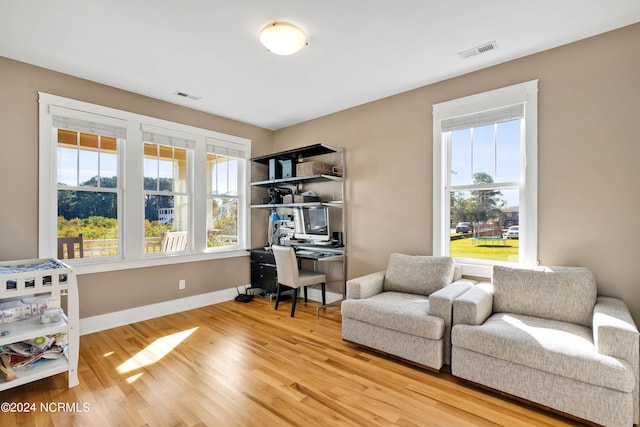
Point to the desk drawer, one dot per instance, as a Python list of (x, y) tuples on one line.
[(264, 277), (263, 256), (263, 270)]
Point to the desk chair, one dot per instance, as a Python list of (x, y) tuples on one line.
[(289, 275)]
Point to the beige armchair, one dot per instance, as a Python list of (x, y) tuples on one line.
[(406, 310)]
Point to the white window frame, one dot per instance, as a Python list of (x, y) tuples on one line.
[(131, 171), (224, 148), (173, 139), (524, 93)]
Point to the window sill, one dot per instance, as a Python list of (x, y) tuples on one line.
[(85, 267), (479, 268)]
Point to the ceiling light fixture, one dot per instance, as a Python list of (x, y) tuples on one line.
[(283, 38)]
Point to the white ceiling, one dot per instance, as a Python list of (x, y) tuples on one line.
[(359, 50)]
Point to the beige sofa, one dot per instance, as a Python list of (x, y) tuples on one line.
[(545, 335), (405, 310)]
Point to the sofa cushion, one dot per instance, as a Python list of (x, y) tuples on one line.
[(397, 311), (552, 346), (559, 293), (418, 274)]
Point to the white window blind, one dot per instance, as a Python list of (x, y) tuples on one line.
[(483, 118), (227, 148), (167, 137), (95, 124)]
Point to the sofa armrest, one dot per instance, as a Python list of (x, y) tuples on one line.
[(474, 306), (365, 286), (616, 335), (441, 301), (614, 332)]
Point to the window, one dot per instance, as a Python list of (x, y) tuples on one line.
[(88, 194), (224, 181), (167, 192), (122, 190), (485, 173)]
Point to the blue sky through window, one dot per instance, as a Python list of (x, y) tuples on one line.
[(78, 166), (492, 149)]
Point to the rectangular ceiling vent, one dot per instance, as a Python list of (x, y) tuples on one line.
[(186, 95), (483, 48)]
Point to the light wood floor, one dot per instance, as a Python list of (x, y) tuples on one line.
[(235, 364)]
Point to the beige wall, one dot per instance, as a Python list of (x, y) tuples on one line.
[(588, 174), (589, 151), (105, 292)]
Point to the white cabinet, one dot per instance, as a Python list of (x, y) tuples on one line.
[(41, 277)]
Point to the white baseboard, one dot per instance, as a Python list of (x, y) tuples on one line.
[(102, 322)]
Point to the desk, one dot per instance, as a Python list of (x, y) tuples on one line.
[(263, 263), (320, 253)]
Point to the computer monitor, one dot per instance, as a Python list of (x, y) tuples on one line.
[(312, 223)]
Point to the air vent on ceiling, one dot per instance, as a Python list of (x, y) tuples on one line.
[(483, 48), (186, 95)]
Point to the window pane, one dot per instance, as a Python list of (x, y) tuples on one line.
[(67, 166), (480, 222), (88, 160), (223, 175), (164, 214), (67, 157), (108, 163), (508, 151), (91, 217), (222, 222), (150, 167), (233, 176), (180, 170), (461, 157), (484, 151), (165, 172)]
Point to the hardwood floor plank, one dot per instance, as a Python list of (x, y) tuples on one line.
[(234, 364)]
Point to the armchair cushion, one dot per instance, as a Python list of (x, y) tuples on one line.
[(558, 293), (552, 346), (421, 275), (396, 311)]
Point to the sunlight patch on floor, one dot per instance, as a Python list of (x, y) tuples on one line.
[(155, 351), (133, 378)]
